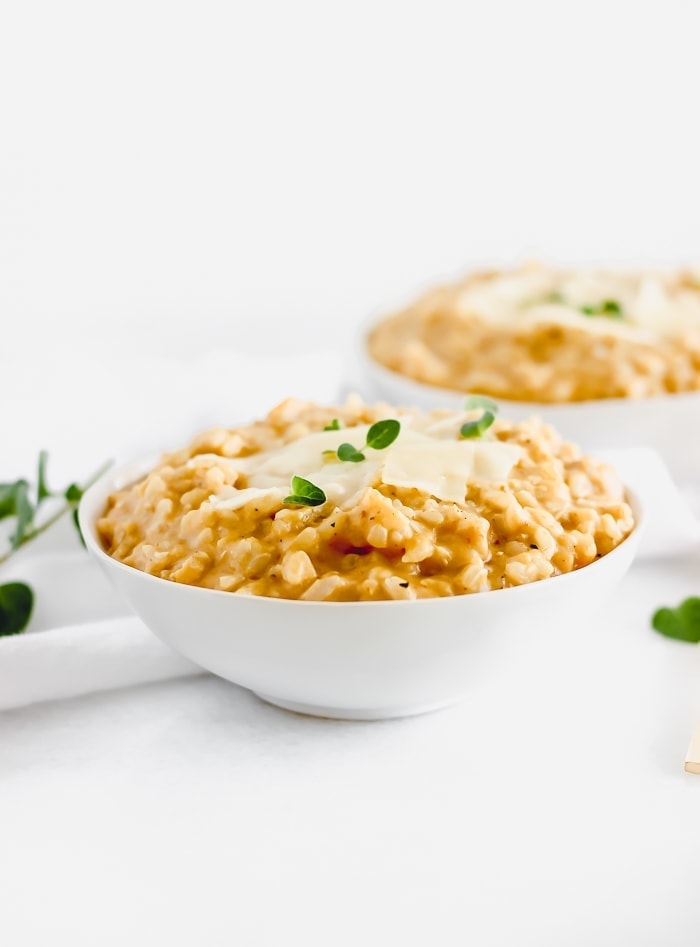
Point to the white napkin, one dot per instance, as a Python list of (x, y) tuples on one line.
[(80, 659)]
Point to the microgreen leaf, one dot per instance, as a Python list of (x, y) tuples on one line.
[(15, 501), (333, 426), (681, 623), (609, 307), (24, 511), (489, 409), (305, 493), (383, 433), (472, 402), (8, 504), (16, 603), (350, 453), (17, 598), (42, 490), (379, 436), (477, 428), (73, 493)]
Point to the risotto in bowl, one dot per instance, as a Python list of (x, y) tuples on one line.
[(610, 357), (362, 561)]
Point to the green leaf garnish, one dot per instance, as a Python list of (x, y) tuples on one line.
[(16, 500), (489, 410), (333, 426), (383, 433), (349, 453), (379, 436), (42, 490), (24, 511), (16, 603), (21, 502), (681, 623), (477, 428), (76, 523), (74, 493), (305, 493), (8, 498), (609, 307)]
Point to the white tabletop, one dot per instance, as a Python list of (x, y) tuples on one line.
[(549, 808)]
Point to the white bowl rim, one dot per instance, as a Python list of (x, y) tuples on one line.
[(95, 497)]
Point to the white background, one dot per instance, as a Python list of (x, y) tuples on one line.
[(181, 176), (271, 172)]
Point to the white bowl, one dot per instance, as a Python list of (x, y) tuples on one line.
[(667, 423), (354, 660)]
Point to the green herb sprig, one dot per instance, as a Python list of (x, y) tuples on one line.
[(681, 623), (16, 605), (379, 436), (305, 493), (18, 500), (609, 307), (489, 409)]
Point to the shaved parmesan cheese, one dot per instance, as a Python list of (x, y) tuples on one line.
[(652, 303), (435, 465), (443, 468), (239, 498)]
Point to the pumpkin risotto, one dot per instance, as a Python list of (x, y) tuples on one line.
[(539, 334), (434, 513)]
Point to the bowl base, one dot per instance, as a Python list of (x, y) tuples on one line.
[(352, 713)]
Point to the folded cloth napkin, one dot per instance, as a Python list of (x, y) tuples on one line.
[(80, 659)]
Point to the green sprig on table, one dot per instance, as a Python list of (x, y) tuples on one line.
[(681, 623), (19, 501)]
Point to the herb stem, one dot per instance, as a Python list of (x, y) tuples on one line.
[(37, 531), (66, 508)]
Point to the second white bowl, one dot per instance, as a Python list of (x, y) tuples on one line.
[(668, 423)]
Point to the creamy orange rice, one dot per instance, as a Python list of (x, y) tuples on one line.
[(514, 506), (551, 335)]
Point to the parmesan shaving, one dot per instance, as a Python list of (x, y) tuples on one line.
[(434, 465)]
